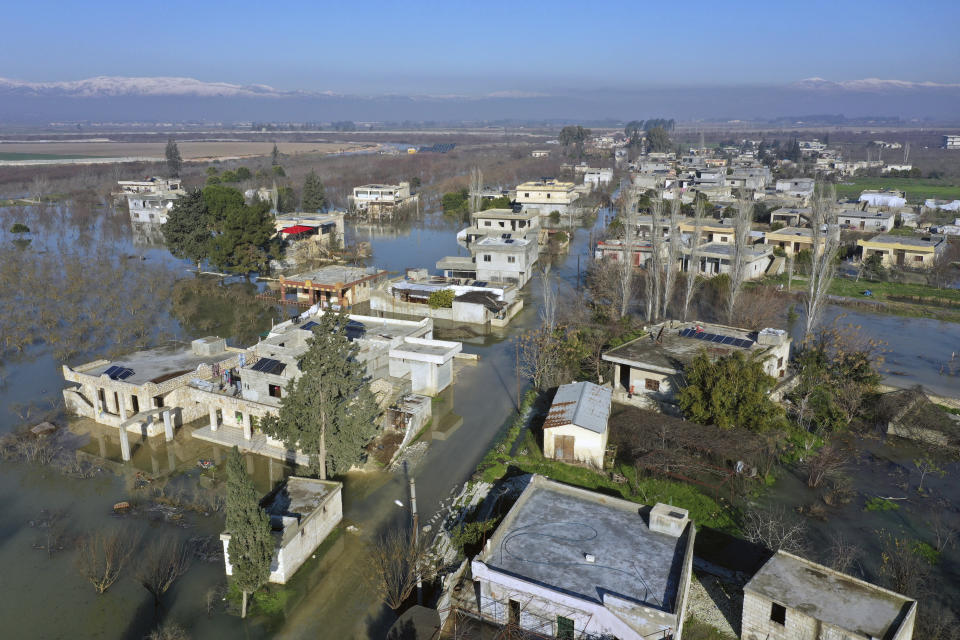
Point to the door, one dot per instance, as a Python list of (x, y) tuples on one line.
[(625, 378), (900, 257), (514, 614), (563, 447), (136, 404)]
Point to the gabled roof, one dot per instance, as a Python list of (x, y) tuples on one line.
[(583, 404)]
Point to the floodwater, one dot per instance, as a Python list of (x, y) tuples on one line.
[(43, 596)]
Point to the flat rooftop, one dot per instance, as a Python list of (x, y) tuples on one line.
[(549, 530), (159, 364), (333, 274), (831, 597), (674, 351), (299, 498), (509, 214), (726, 249), (926, 242), (799, 232), (490, 241)]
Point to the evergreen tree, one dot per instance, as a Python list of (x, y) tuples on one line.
[(329, 412), (731, 391), (658, 140), (275, 155), (313, 196), (187, 231), (251, 543), (174, 160), (241, 246)]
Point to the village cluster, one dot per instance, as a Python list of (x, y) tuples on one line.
[(564, 561)]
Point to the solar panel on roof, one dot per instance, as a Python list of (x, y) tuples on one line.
[(309, 326), (717, 338), (269, 365), (728, 340), (118, 373)]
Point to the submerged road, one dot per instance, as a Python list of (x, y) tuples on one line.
[(344, 605)]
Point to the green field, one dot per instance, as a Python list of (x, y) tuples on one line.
[(916, 189), (40, 156)]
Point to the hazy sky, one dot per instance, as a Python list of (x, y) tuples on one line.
[(481, 47)]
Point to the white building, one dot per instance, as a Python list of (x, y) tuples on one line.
[(576, 426), (546, 196), (650, 369), (151, 200), (571, 563), (597, 177), (866, 220), (505, 259), (302, 514), (951, 141), (381, 199), (797, 187)]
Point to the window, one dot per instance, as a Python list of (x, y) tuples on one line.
[(651, 385), (487, 257), (778, 613), (779, 362), (514, 613), (274, 390), (511, 259), (526, 195), (918, 258), (238, 416), (564, 628), (548, 195), (487, 223)]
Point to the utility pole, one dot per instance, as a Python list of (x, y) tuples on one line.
[(516, 369), (416, 533)]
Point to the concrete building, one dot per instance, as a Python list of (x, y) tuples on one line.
[(791, 598), (546, 195), (506, 259), (715, 258), (146, 392), (576, 426), (570, 563), (797, 187), (150, 200), (333, 286), (883, 198), (793, 240), (597, 177), (318, 227), (866, 220), (904, 251), (650, 369), (951, 142), (381, 200), (302, 513), (539, 153), (790, 216), (474, 302), (501, 223), (943, 205)]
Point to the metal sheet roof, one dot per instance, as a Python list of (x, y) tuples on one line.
[(583, 404)]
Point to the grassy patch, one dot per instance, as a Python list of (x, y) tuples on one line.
[(880, 504), (916, 189), (694, 629)]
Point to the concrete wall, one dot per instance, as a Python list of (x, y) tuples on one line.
[(588, 446)]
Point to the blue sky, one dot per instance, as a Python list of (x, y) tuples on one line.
[(477, 48)]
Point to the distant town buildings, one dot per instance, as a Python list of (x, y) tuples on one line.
[(951, 142)]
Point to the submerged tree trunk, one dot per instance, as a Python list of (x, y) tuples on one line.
[(243, 610)]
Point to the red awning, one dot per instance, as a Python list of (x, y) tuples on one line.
[(296, 229)]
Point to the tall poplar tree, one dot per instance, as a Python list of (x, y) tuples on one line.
[(174, 159), (251, 543), (313, 198), (329, 412)]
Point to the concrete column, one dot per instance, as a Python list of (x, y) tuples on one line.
[(247, 429), (213, 419), (124, 444), (167, 426), (122, 404)]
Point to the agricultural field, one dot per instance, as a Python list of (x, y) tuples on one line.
[(917, 189), (207, 150)]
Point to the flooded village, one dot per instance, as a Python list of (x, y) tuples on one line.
[(561, 387)]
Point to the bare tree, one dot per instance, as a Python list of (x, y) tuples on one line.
[(39, 187), (693, 256), (943, 530), (774, 529), (674, 246), (548, 312), (161, 565), (476, 185), (743, 217), (826, 463), (398, 560), (845, 554), (628, 216), (655, 267), (168, 631), (102, 556), (901, 568), (825, 233)]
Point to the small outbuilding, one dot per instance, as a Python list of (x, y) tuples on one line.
[(576, 427)]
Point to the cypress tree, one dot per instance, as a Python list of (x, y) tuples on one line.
[(275, 155), (313, 196), (329, 412), (174, 159), (251, 543)]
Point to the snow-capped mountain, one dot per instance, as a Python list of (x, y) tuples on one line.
[(869, 84), (113, 86)]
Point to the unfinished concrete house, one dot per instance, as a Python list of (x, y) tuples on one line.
[(649, 370), (794, 599), (302, 513), (571, 563), (333, 286)]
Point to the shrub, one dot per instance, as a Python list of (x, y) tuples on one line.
[(19, 227), (441, 299)]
